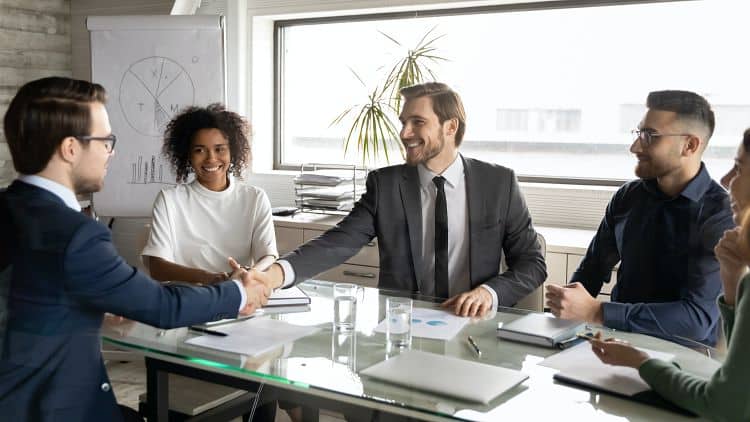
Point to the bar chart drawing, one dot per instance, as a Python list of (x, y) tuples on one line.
[(145, 172)]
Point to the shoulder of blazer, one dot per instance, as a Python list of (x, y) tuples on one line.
[(397, 170), (487, 171), (41, 220)]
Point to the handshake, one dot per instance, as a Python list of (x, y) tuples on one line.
[(258, 284)]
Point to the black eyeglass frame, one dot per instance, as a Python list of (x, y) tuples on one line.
[(109, 141), (647, 137)]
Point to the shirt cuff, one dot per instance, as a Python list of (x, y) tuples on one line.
[(243, 295), (288, 272), (493, 293), (614, 315)]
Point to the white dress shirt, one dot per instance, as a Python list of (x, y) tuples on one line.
[(458, 227), (67, 196)]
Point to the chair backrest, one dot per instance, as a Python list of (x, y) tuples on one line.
[(535, 300)]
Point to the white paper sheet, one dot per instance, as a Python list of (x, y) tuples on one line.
[(432, 323), (580, 364), (253, 337)]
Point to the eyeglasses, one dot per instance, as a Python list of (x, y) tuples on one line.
[(647, 137), (109, 141)]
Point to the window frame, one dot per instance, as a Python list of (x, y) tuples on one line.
[(278, 63)]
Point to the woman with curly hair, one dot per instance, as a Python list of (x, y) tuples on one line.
[(724, 396), (197, 225)]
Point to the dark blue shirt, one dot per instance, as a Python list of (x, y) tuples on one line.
[(668, 280)]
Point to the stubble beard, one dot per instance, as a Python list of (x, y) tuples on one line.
[(429, 151)]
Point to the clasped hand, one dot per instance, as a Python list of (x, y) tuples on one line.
[(257, 287)]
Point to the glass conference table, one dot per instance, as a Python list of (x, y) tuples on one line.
[(322, 369)]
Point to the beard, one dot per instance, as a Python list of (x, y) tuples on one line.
[(659, 166), (652, 169), (429, 151)]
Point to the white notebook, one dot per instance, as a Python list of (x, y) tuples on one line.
[(540, 329), (449, 376), (289, 296)]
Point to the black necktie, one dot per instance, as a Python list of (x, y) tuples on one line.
[(441, 239)]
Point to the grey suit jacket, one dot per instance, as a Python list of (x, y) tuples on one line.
[(499, 222)]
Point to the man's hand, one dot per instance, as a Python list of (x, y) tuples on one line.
[(731, 263), (237, 270), (116, 324), (617, 352), (574, 302), (273, 277), (257, 292), (474, 303)]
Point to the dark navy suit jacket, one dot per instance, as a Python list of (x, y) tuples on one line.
[(64, 275)]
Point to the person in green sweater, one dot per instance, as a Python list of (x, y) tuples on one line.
[(725, 396)]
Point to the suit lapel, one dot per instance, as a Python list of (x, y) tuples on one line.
[(473, 202), (411, 198)]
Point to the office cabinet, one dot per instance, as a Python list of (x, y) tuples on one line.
[(287, 239)]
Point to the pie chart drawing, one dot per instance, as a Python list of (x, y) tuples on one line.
[(152, 91)]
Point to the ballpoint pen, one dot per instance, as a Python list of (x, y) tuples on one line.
[(474, 346), (207, 331)]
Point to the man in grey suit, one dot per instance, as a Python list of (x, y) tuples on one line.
[(442, 220)]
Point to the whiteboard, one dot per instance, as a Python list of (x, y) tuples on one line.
[(152, 67)]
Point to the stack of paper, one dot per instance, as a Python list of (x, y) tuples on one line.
[(330, 177), (329, 189)]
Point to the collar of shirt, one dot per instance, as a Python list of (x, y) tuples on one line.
[(57, 189), (694, 190), (453, 174)]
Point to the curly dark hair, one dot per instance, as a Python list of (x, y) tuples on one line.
[(183, 127)]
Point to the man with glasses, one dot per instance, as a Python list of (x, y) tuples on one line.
[(662, 228), (60, 272)]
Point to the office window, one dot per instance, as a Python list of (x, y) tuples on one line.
[(551, 93)]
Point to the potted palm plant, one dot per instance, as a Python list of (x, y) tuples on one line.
[(374, 129)]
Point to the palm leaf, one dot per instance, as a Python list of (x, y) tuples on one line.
[(373, 128)]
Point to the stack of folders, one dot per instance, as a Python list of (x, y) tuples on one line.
[(329, 189), (330, 177), (540, 329)]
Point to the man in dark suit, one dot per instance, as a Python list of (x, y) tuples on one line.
[(442, 220), (63, 271)]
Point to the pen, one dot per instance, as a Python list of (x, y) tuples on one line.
[(474, 346), (207, 331)]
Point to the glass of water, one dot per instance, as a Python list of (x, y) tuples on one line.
[(398, 312), (344, 306)]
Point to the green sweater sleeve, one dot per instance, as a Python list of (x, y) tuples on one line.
[(723, 397)]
